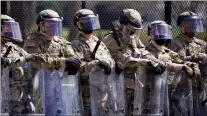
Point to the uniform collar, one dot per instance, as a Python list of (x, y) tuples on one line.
[(186, 39)]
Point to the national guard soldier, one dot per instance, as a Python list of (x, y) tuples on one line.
[(95, 57), (124, 45), (15, 81), (192, 49), (58, 53), (160, 33)]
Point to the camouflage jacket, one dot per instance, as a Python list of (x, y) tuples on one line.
[(54, 50), (188, 48), (84, 47), (16, 76), (130, 47)]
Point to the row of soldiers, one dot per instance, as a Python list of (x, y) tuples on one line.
[(120, 51)]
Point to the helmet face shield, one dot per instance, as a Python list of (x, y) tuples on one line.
[(11, 29), (53, 26), (192, 24), (161, 31), (89, 22)]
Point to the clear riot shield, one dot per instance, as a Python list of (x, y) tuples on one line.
[(99, 91), (59, 93), (200, 92), (149, 92), (71, 94), (5, 93), (106, 93), (116, 96), (180, 95)]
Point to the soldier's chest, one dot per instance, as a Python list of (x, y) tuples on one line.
[(101, 52), (52, 48)]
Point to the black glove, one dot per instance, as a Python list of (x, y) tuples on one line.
[(72, 65), (5, 62), (159, 69), (106, 67), (119, 67)]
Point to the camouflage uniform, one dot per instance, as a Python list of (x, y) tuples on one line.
[(17, 78), (83, 48), (55, 51), (191, 49), (10, 30), (188, 49), (166, 55), (130, 47)]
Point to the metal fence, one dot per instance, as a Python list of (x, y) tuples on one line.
[(25, 13)]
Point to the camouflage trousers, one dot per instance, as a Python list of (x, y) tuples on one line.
[(129, 92), (85, 87), (86, 95)]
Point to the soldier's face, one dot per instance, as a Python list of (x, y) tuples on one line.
[(188, 34)]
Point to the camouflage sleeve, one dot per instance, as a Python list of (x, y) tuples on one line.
[(67, 49), (124, 54), (153, 60), (79, 53), (111, 45), (53, 62)]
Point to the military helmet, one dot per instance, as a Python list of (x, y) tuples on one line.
[(183, 15), (10, 28), (5, 18), (160, 30), (132, 17), (53, 20), (46, 14), (190, 21), (85, 19)]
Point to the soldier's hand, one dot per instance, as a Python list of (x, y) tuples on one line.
[(72, 65), (188, 70), (159, 69), (119, 67), (105, 66), (5, 62)]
